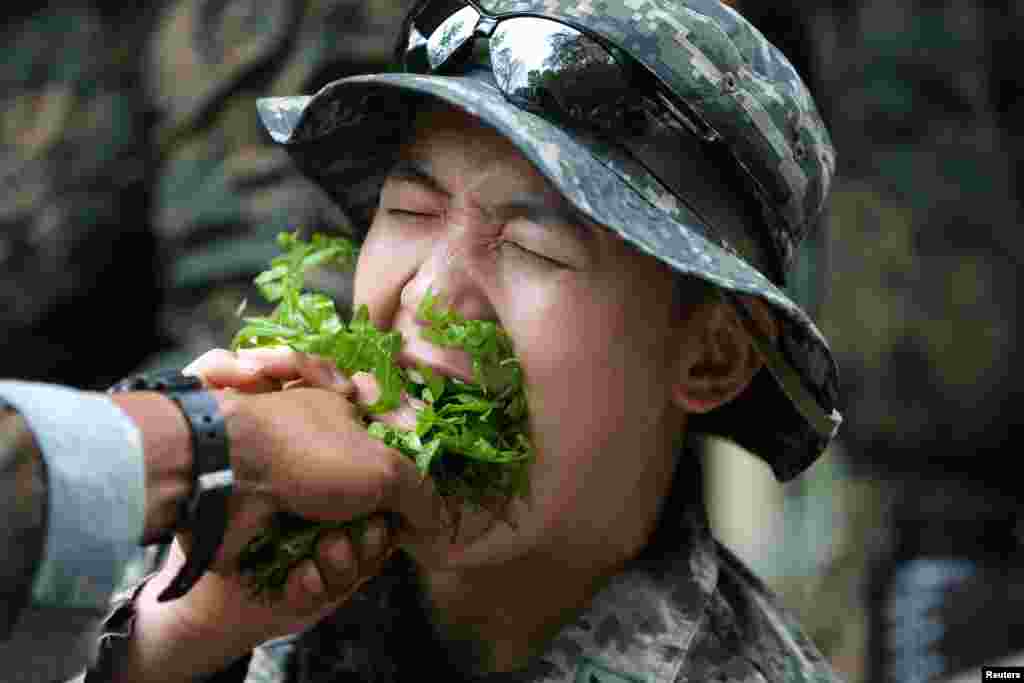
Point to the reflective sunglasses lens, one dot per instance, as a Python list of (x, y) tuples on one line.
[(452, 34), (539, 63), (416, 52)]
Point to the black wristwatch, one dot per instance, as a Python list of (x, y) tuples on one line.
[(205, 513)]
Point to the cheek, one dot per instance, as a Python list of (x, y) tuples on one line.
[(596, 364), (386, 262), (587, 369)]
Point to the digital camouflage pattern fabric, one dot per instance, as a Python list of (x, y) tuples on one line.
[(346, 136)]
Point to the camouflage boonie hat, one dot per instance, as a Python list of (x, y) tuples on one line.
[(346, 138)]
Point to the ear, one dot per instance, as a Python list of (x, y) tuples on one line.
[(717, 359)]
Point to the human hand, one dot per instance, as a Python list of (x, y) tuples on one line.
[(303, 450), (287, 445)]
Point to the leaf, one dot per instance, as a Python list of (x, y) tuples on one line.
[(426, 456), (470, 437)]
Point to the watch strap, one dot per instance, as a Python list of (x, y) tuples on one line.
[(205, 513)]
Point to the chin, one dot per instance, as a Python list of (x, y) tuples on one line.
[(482, 539)]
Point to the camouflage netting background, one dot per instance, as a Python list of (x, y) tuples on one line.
[(920, 258), (137, 185), (138, 195)]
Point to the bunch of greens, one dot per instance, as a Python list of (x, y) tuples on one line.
[(470, 438)]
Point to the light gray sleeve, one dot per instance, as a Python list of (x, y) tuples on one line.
[(96, 492)]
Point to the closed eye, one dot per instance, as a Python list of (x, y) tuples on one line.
[(406, 212), (534, 254)]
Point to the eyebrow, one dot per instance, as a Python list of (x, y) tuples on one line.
[(524, 205), (418, 172)]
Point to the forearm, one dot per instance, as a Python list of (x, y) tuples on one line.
[(167, 645)]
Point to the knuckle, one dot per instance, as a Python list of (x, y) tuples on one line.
[(388, 479), (339, 563)]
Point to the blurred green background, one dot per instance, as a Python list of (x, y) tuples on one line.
[(138, 196)]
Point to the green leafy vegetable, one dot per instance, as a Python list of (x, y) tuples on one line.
[(470, 438)]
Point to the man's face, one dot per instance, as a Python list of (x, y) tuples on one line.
[(464, 214)]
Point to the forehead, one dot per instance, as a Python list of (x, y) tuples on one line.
[(454, 143)]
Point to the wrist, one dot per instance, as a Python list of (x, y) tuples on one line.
[(204, 513), (167, 452)]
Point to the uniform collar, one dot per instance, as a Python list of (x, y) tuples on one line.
[(641, 625), (639, 628)]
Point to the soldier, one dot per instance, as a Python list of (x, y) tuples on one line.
[(624, 189)]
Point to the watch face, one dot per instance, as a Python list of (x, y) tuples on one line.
[(163, 381)]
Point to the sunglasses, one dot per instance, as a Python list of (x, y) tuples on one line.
[(545, 67)]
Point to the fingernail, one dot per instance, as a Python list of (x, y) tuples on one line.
[(249, 366), (366, 383), (311, 581), (339, 556), (375, 541)]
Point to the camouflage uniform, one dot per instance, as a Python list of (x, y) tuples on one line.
[(686, 608)]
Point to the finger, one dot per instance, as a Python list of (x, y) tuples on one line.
[(266, 369), (305, 590), (249, 515), (371, 478), (413, 497), (221, 368), (336, 559), (375, 547), (287, 365), (346, 559), (367, 392), (328, 467), (367, 389)]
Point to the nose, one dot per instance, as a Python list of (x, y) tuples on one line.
[(449, 271)]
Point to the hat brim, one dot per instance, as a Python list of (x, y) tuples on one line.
[(347, 136)]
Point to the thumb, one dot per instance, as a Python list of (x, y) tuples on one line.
[(334, 470), (382, 481)]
